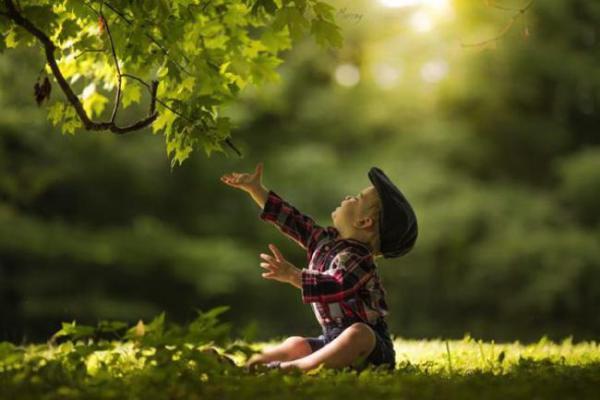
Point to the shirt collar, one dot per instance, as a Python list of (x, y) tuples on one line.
[(355, 242)]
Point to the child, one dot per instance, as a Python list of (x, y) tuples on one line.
[(341, 281)]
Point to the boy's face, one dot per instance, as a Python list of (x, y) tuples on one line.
[(356, 211)]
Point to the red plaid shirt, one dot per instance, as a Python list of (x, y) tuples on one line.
[(341, 281)]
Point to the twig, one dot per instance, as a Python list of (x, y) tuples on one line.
[(119, 78), (125, 75), (493, 4), (504, 30), (90, 51), (230, 144)]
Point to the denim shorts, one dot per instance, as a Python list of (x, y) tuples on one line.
[(383, 353)]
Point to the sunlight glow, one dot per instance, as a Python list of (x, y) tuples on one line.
[(347, 75), (88, 91), (385, 75), (421, 22), (434, 71), (400, 3), (438, 6)]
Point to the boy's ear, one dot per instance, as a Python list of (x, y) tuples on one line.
[(365, 223)]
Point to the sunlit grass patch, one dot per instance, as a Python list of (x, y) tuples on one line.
[(158, 361)]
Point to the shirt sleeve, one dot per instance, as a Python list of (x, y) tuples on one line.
[(299, 227), (348, 273)]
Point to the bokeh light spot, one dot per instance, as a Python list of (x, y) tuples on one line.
[(347, 75), (434, 71)]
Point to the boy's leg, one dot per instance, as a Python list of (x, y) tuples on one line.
[(358, 340), (292, 348)]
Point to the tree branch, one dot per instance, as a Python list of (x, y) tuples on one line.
[(114, 54), (519, 12), (49, 48)]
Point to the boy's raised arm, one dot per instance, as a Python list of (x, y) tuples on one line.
[(296, 225), (260, 195), (299, 227)]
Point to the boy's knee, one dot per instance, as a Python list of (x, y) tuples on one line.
[(295, 341), (300, 344), (360, 331)]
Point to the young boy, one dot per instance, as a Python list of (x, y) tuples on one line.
[(341, 282)]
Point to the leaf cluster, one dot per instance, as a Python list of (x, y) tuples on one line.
[(202, 53)]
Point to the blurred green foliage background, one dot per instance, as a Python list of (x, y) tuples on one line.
[(496, 145)]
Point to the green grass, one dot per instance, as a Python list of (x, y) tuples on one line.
[(151, 362)]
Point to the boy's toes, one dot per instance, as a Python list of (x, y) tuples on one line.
[(273, 365), (253, 367)]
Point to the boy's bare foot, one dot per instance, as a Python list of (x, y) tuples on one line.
[(271, 366)]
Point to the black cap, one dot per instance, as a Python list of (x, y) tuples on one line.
[(398, 228)]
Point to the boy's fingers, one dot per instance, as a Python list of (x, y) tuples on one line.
[(268, 266), (230, 183), (268, 258), (276, 251), (259, 169), (267, 274)]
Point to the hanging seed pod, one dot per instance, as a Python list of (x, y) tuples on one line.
[(42, 92)]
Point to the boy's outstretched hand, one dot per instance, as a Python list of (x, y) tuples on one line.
[(279, 268), (247, 182), (250, 183)]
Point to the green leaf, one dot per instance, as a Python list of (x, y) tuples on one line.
[(164, 121), (12, 38), (187, 84), (276, 41), (94, 104), (267, 6), (56, 112), (326, 33), (263, 69), (157, 324), (293, 19), (71, 121), (131, 94), (43, 17), (223, 127), (74, 331), (111, 326), (213, 313), (324, 10), (68, 30)]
